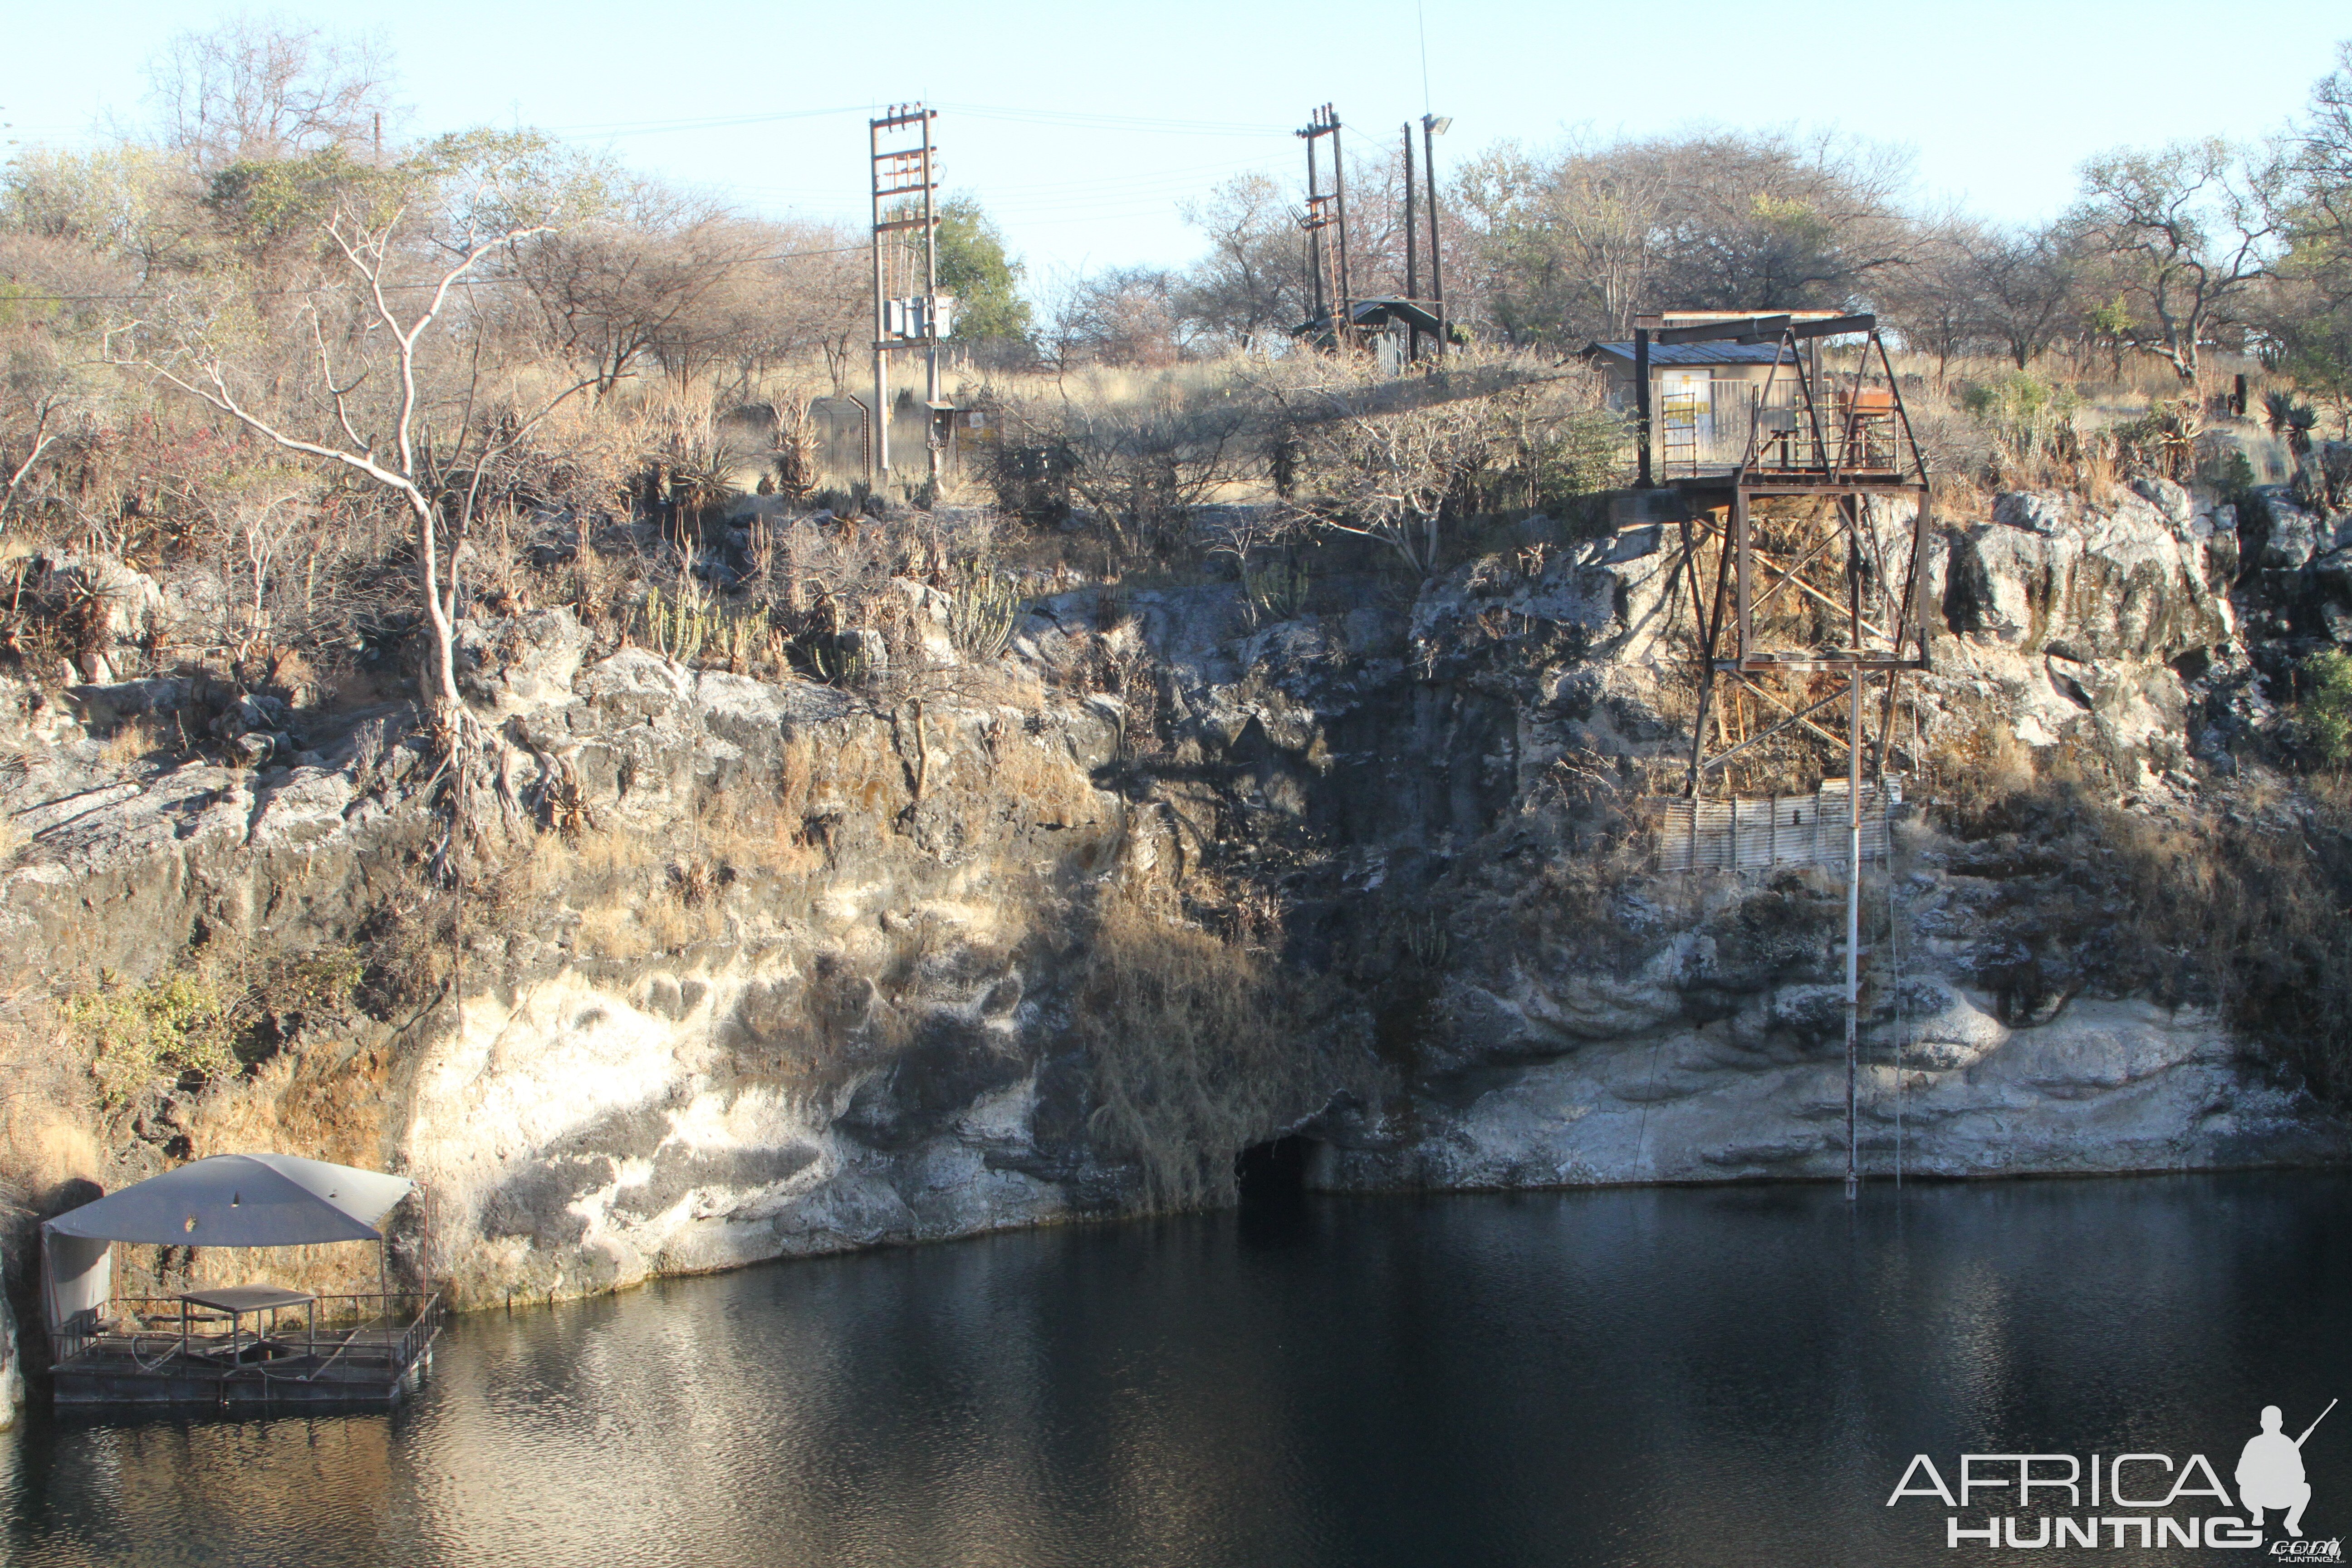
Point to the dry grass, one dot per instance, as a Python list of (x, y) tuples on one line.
[(132, 741), (768, 836), (1976, 770), (1038, 772), (1197, 1049), (611, 931), (664, 921), (557, 861), (677, 917)]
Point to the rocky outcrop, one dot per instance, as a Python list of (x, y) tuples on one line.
[(785, 986), (2083, 624), (1715, 1051), (847, 1040), (12, 1371), (786, 967)]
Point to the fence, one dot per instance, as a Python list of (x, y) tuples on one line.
[(1763, 831)]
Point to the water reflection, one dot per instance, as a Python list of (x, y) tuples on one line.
[(1636, 1376)]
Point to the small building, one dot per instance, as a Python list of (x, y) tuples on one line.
[(1385, 325), (1682, 369), (1704, 397)]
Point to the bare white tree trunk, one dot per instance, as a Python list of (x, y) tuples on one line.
[(201, 373)]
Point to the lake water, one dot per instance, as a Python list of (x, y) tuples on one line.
[(1715, 1376)]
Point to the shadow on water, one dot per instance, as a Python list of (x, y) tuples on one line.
[(1732, 1375)]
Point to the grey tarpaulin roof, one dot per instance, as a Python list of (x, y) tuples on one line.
[(242, 1200), (1692, 353)]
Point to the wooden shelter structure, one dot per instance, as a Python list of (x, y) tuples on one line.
[(255, 1344)]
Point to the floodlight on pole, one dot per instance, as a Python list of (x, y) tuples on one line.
[(1437, 124)]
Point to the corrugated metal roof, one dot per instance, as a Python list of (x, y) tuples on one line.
[(1694, 353), (1379, 312)]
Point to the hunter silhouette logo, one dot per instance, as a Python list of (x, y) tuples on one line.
[(2270, 1471), (2148, 1501)]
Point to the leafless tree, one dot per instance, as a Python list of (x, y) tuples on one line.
[(368, 406), (1570, 244), (1932, 297), (1250, 286), (1565, 252), (2192, 228), (2319, 182), (259, 88), (2025, 282), (1118, 316)]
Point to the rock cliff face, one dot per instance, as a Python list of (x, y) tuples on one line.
[(788, 968), (12, 1371)]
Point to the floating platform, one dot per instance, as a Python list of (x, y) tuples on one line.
[(147, 1358)]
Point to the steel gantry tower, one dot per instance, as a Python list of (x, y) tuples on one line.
[(1806, 586)]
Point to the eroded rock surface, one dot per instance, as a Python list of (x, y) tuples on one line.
[(789, 967)]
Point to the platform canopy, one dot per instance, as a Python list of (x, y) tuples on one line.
[(242, 1200), (227, 1200)]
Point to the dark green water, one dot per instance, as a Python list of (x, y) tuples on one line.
[(1717, 1376)]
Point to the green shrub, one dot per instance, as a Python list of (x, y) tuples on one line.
[(2324, 715), (2021, 410), (982, 608), (179, 1025)]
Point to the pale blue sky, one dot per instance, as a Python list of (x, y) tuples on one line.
[(1081, 126)]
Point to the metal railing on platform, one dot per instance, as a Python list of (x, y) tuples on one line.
[(163, 1336), (1732, 425)]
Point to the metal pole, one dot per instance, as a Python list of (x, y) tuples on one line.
[(1437, 265), (1742, 533), (881, 447), (1340, 199), (1642, 480), (1412, 253), (1313, 219), (1853, 910), (930, 305)]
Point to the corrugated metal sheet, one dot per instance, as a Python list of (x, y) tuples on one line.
[(1749, 834), (1693, 354)]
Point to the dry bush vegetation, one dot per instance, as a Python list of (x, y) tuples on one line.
[(2243, 912), (1198, 1047)]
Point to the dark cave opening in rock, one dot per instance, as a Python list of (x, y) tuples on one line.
[(1273, 1175)]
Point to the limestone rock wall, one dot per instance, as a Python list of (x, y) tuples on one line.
[(12, 1371), (792, 969)]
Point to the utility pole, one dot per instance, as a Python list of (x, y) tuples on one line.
[(898, 174), (1340, 199), (1313, 224), (1433, 126), (932, 325), (1327, 209), (1412, 253)]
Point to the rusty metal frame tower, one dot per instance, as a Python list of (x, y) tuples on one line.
[(1792, 517), (898, 173)]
